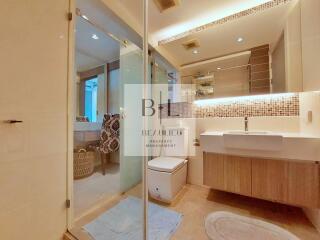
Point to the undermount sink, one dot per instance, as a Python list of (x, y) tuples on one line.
[(264, 141)]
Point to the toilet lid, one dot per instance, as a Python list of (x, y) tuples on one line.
[(165, 164)]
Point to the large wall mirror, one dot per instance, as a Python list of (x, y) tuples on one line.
[(97, 73), (255, 51)]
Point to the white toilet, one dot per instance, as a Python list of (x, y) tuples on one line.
[(167, 174)]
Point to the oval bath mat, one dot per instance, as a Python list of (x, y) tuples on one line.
[(229, 226)]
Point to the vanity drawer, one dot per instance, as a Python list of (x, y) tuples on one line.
[(213, 170), (303, 184), (270, 179), (227, 173)]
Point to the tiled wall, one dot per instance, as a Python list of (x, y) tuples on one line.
[(259, 70), (254, 106)]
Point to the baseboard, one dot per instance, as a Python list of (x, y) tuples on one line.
[(97, 206), (314, 217)]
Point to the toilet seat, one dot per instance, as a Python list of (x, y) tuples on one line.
[(166, 164)]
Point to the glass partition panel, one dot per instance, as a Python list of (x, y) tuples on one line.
[(131, 73), (108, 56)]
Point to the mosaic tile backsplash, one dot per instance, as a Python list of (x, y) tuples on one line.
[(255, 106)]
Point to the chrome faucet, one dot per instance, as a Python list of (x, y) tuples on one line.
[(246, 122)]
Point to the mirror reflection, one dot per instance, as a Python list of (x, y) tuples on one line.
[(256, 51), (97, 57)]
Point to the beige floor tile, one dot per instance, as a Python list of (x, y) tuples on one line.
[(92, 191), (196, 202)]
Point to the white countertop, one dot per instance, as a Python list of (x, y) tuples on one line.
[(283, 134), (295, 146), (87, 126)]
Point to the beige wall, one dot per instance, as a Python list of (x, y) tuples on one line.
[(293, 51), (33, 154), (233, 82), (310, 29), (278, 67), (310, 101)]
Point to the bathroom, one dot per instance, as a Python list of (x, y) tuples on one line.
[(237, 90), (160, 119)]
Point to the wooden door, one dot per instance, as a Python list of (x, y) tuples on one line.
[(269, 179), (34, 46), (237, 175)]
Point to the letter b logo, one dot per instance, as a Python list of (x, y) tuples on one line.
[(144, 107)]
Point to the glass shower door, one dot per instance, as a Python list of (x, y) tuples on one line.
[(131, 78)]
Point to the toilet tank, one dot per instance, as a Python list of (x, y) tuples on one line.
[(175, 142)]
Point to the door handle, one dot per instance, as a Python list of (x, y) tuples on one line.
[(13, 121)]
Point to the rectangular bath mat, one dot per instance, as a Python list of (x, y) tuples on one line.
[(124, 221)]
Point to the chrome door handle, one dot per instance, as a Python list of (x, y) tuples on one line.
[(13, 121)]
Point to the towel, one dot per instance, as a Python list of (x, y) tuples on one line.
[(110, 132)]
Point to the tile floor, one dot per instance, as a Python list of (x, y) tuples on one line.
[(96, 189), (196, 202)]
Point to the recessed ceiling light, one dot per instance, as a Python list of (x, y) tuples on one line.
[(218, 68), (195, 51), (95, 37), (240, 39), (85, 17)]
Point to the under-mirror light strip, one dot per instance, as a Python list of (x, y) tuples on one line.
[(210, 102)]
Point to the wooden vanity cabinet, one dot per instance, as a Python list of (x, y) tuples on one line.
[(228, 173), (213, 167), (270, 179), (304, 184), (237, 175), (291, 182)]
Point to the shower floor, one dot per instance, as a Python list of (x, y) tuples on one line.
[(93, 191)]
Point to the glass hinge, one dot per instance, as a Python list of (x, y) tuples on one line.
[(70, 16), (68, 203)]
